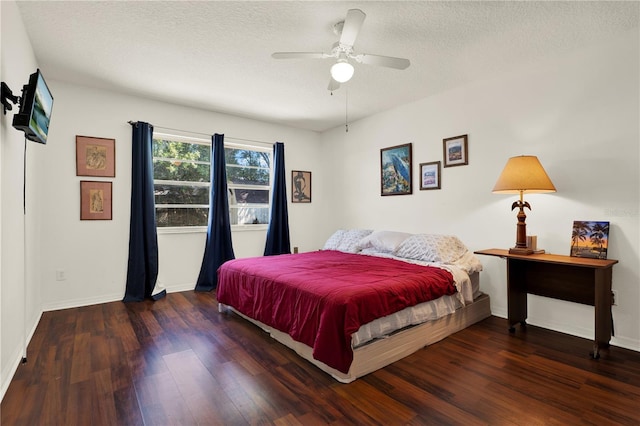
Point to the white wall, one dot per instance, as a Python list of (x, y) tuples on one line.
[(578, 113), (94, 254), (19, 296)]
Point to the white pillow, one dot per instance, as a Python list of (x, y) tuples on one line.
[(432, 248), (383, 241)]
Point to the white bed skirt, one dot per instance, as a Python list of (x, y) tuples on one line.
[(382, 352)]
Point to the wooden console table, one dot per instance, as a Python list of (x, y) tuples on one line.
[(575, 279)]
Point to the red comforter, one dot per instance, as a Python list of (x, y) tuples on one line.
[(320, 298)]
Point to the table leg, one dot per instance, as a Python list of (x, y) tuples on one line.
[(516, 293), (602, 305)]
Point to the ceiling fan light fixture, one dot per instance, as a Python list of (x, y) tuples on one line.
[(342, 51), (342, 71)]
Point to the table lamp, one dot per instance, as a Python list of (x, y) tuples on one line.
[(522, 174)]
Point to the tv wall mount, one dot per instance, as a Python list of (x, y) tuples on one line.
[(8, 96)]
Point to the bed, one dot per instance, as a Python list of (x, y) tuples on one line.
[(364, 301)]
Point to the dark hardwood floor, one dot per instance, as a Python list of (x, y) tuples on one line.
[(179, 362)]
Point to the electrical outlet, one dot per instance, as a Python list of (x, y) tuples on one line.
[(61, 275), (614, 297), (295, 250)]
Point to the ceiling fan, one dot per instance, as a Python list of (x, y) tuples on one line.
[(342, 51)]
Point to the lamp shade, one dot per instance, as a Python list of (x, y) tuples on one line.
[(342, 71), (523, 174)]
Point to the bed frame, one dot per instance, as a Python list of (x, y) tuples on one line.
[(382, 352)]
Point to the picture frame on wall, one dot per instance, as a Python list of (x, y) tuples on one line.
[(300, 186), (95, 200), (95, 156), (430, 175), (589, 239), (395, 170), (456, 151)]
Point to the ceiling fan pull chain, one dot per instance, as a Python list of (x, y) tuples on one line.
[(346, 112)]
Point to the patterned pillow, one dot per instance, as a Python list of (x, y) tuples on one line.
[(346, 240), (351, 239), (383, 241), (432, 248), (334, 241)]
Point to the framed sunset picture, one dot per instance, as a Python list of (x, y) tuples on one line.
[(590, 239)]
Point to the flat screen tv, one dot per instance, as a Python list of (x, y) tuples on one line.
[(35, 109)]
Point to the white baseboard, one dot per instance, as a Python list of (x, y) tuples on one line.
[(76, 303), (622, 342), (16, 356), (586, 333)]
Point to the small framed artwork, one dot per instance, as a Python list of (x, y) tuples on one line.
[(395, 170), (456, 151), (95, 200), (300, 186), (95, 156), (590, 239), (430, 175)]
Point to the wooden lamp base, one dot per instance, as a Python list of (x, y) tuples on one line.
[(521, 229), (521, 250)]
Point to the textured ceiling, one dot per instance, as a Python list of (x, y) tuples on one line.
[(216, 55)]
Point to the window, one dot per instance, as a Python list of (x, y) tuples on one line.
[(248, 180), (181, 171)]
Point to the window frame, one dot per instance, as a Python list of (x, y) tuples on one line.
[(240, 144)]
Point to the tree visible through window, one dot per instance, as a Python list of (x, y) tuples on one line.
[(182, 168)]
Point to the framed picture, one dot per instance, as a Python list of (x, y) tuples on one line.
[(95, 156), (590, 239), (430, 175), (395, 170), (300, 186), (456, 151), (95, 200)]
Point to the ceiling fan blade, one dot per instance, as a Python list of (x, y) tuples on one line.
[(352, 24), (333, 85), (383, 61), (298, 55)]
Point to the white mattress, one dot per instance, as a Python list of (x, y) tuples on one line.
[(427, 311)]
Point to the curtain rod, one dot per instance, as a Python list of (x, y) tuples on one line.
[(203, 134)]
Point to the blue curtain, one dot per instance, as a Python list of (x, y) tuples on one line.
[(218, 248), (142, 270), (278, 232)]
